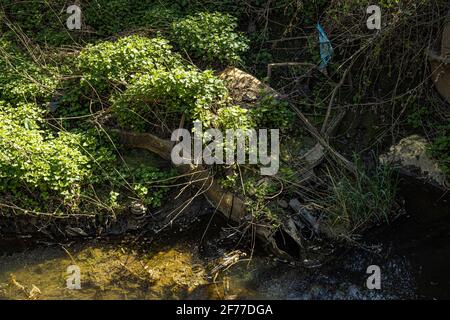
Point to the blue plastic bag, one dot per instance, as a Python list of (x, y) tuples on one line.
[(326, 50)]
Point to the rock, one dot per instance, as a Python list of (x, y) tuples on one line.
[(411, 155), (243, 87)]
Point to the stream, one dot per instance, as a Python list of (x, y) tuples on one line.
[(413, 254)]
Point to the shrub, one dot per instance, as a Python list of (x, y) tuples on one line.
[(272, 113), (234, 117), (145, 184), (37, 163), (161, 15), (177, 91), (108, 17), (257, 201), (210, 36), (43, 21), (116, 62), (21, 80)]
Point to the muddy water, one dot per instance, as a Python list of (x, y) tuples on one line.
[(413, 254)]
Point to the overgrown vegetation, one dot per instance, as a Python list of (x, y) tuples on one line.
[(22, 80), (178, 91), (440, 148), (115, 63), (210, 36), (357, 202), (37, 165), (152, 66)]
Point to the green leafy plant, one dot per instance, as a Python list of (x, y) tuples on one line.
[(37, 163), (258, 193), (272, 113), (116, 62), (40, 20), (108, 17), (113, 202), (210, 36), (161, 16), (234, 117), (22, 80), (440, 149), (177, 91), (145, 184)]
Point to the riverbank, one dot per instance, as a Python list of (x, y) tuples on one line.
[(88, 176), (413, 254)]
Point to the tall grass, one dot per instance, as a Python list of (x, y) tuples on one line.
[(359, 201)]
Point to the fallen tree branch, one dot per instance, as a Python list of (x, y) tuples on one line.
[(231, 206), (316, 134)]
